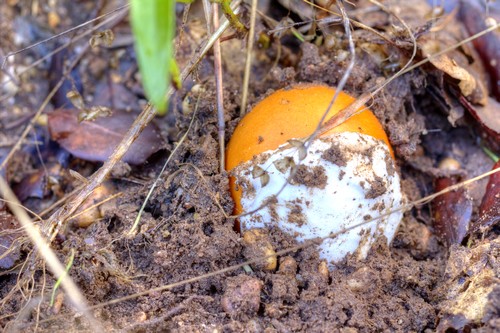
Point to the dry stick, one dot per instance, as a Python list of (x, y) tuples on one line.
[(62, 33), (55, 221), (306, 243), (218, 88), (413, 41), (248, 62), (44, 249)]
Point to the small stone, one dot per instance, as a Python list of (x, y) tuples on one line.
[(242, 296)]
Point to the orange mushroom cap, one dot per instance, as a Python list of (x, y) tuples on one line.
[(292, 113)]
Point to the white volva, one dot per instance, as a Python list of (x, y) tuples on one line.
[(345, 179)]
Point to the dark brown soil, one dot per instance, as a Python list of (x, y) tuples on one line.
[(185, 231)]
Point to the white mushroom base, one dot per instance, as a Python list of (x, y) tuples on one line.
[(345, 179)]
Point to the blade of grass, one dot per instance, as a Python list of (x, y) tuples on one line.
[(153, 24), (59, 281)]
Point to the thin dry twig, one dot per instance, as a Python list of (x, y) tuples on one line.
[(359, 104), (318, 131), (345, 76), (56, 220), (221, 124), (248, 61)]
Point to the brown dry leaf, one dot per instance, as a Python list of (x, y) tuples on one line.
[(487, 121), (488, 46), (452, 211), (96, 141), (467, 82), (489, 211)]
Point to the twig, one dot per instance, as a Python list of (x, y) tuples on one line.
[(248, 62), (358, 105), (221, 125), (56, 220), (319, 129)]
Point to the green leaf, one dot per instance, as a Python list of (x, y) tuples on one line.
[(153, 24)]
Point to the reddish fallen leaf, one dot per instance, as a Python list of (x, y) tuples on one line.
[(489, 211), (9, 232), (452, 211), (487, 121), (488, 46), (96, 140)]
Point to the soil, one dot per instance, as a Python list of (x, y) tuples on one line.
[(185, 231)]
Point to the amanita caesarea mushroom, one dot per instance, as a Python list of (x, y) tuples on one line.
[(346, 176)]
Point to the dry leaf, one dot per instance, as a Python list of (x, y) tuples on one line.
[(487, 121), (97, 140), (452, 211)]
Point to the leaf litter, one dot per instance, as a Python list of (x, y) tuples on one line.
[(413, 285)]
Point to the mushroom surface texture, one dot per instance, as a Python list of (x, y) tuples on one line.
[(345, 177)]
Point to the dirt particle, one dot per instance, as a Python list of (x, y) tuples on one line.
[(377, 188), (296, 216), (271, 203), (311, 177), (341, 174), (288, 266), (335, 155), (361, 280), (257, 244), (379, 206), (285, 288), (391, 170)]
